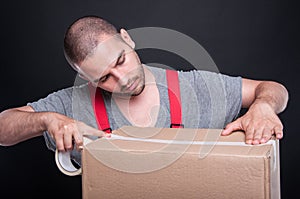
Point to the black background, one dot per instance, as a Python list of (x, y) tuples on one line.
[(255, 39)]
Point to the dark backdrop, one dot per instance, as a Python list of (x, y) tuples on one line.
[(255, 39)]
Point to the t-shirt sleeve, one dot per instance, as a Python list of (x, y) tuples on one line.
[(226, 94), (233, 96), (59, 102)]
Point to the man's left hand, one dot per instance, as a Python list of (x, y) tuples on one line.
[(259, 124)]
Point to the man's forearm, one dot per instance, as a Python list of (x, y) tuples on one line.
[(17, 126), (273, 94), (264, 100)]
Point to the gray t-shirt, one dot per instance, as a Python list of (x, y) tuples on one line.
[(208, 100)]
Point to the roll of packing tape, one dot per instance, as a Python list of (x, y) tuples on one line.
[(63, 159), (64, 163)]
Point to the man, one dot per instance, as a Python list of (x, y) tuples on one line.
[(135, 94)]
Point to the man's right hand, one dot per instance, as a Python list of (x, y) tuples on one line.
[(20, 124), (67, 132)]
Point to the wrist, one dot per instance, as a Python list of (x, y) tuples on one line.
[(46, 118), (263, 104)]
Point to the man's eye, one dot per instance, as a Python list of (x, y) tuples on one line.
[(104, 78), (121, 60)]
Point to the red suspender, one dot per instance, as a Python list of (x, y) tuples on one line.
[(99, 109), (174, 99)]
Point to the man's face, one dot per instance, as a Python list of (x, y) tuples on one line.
[(115, 67)]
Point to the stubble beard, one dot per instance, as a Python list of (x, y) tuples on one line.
[(139, 88)]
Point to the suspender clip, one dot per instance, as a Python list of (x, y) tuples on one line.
[(176, 125), (107, 130)]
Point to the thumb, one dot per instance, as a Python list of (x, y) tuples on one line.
[(233, 126), (90, 131)]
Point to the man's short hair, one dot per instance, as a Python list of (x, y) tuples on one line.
[(84, 35)]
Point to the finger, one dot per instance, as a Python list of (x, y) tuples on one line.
[(233, 126), (59, 141), (87, 130), (68, 141), (259, 133), (256, 137), (78, 140), (266, 135), (249, 135), (278, 131)]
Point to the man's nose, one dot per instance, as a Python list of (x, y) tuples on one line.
[(120, 76)]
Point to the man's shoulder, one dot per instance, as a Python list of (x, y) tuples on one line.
[(82, 88), (155, 69)]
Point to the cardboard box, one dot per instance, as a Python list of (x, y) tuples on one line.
[(179, 163)]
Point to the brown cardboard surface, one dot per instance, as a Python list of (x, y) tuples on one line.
[(199, 164)]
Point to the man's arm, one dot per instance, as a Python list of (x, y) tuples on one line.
[(20, 124), (264, 100)]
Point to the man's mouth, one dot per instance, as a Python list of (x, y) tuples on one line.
[(132, 85)]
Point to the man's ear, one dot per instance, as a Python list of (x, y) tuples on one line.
[(126, 37)]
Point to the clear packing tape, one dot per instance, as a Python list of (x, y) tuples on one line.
[(65, 165)]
